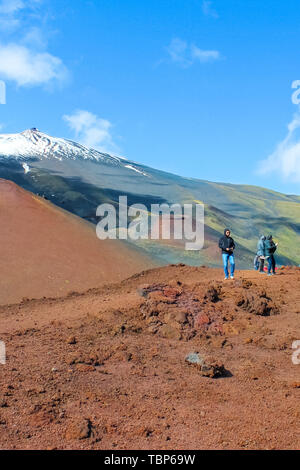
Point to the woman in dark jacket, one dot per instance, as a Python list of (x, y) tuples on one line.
[(271, 247)]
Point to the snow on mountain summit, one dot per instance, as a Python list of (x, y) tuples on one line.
[(33, 143)]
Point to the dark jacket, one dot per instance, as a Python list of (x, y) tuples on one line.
[(261, 247), (270, 247), (226, 242)]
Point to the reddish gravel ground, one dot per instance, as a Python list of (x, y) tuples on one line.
[(106, 369)]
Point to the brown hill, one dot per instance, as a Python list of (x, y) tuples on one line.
[(46, 251), (107, 369)]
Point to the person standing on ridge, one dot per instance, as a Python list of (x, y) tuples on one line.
[(261, 253), (227, 245), (271, 247)]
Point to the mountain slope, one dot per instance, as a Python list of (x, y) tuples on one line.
[(46, 251), (79, 179)]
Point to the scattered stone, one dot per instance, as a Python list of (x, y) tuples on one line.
[(171, 292), (248, 340), (123, 356), (177, 315), (194, 358), (258, 304), (42, 418), (143, 290), (71, 340), (153, 329), (79, 430), (169, 332), (213, 294), (202, 320), (246, 284), (207, 368), (89, 359), (75, 358), (148, 432)]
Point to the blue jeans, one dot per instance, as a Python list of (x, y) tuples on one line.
[(272, 264), (226, 257)]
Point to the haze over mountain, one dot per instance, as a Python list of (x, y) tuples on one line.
[(78, 179)]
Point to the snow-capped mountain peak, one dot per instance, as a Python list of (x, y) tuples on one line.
[(32, 144)]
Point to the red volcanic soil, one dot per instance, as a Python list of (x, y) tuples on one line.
[(107, 369), (46, 251)]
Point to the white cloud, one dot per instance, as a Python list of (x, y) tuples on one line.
[(28, 68), (24, 58), (178, 51), (91, 131), (11, 13), (185, 54), (34, 36), (208, 9), (285, 160), (9, 7), (204, 56)]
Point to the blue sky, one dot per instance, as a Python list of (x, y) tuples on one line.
[(194, 87)]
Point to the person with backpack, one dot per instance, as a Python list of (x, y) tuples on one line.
[(261, 253), (227, 245), (271, 247)]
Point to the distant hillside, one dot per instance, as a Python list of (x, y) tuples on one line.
[(78, 179)]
